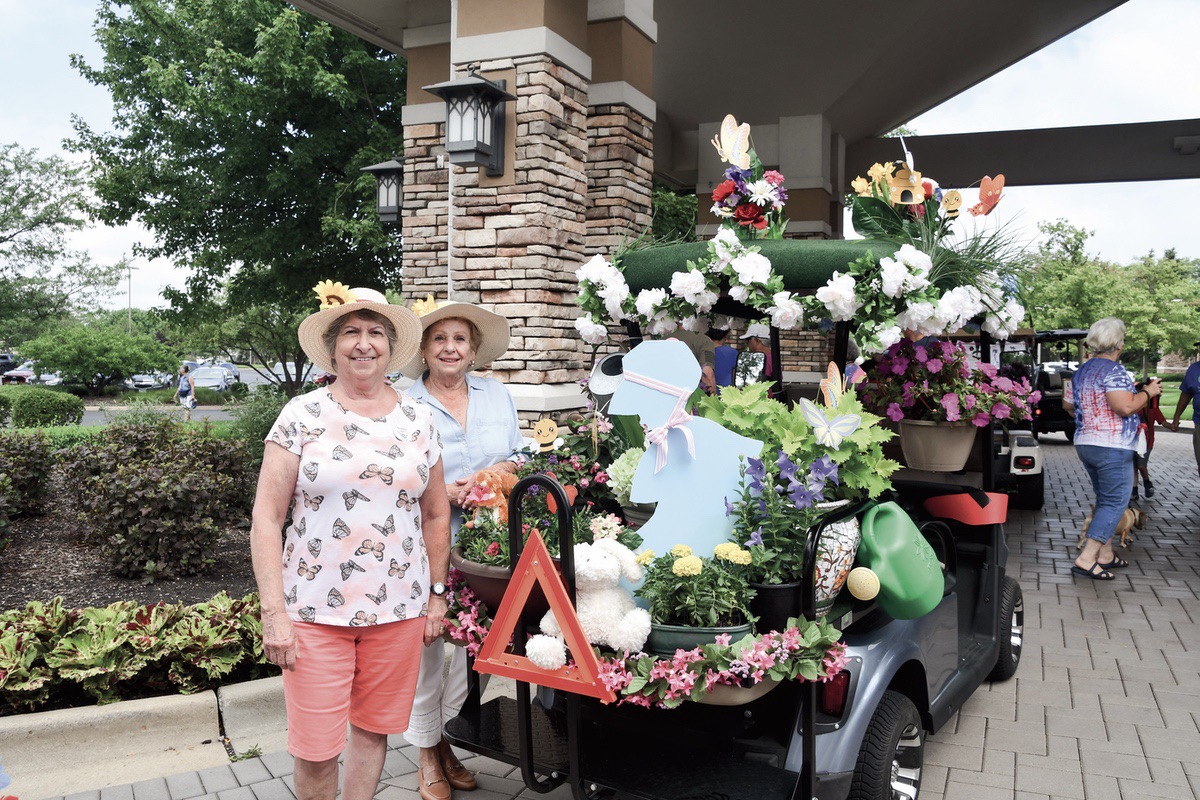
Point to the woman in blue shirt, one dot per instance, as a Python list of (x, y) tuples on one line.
[(477, 420), (1106, 410)]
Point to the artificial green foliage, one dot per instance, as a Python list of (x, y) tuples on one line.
[(34, 408), (156, 497), (51, 657), (27, 458)]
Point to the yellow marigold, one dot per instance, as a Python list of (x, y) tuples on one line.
[(861, 186), (681, 550), (645, 557), (724, 549), (334, 294), (688, 565), (740, 557), (423, 307)]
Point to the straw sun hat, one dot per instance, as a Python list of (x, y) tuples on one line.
[(493, 330), (337, 301)]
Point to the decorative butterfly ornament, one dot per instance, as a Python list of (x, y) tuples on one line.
[(830, 433), (990, 190), (733, 142)]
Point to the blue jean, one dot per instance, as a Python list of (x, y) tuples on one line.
[(1111, 471)]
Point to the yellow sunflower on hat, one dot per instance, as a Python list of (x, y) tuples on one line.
[(334, 294)]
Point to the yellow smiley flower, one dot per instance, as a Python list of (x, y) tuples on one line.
[(687, 566), (334, 294), (645, 558), (681, 550), (423, 307)]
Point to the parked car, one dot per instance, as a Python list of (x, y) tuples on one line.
[(144, 381), (277, 370), (7, 361), (28, 373), (213, 378), (232, 369)]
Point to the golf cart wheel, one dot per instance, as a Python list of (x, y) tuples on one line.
[(1012, 630), (893, 752), (1031, 492)]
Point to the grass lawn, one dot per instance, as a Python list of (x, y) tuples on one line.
[(1170, 397)]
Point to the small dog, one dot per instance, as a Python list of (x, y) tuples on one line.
[(1132, 518)]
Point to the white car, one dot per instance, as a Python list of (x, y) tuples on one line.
[(215, 378)]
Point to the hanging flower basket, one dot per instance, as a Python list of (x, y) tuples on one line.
[(936, 446), (724, 695)]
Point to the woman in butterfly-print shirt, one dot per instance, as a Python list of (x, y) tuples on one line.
[(357, 584)]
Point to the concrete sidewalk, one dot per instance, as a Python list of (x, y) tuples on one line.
[(1106, 703)]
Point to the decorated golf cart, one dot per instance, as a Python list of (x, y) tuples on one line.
[(799, 609)]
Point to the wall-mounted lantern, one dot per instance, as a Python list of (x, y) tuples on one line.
[(389, 178), (474, 120)]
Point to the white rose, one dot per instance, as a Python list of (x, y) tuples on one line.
[(751, 268), (687, 285), (739, 293), (888, 335), (893, 274), (597, 271), (647, 299), (786, 313), (917, 317), (694, 324), (614, 296), (725, 245), (913, 258), (660, 326), (838, 297), (591, 332)]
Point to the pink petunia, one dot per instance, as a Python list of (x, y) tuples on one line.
[(920, 354), (950, 403), (988, 369), (1003, 384), (899, 365), (934, 365), (894, 412), (1001, 411), (968, 402), (981, 419)]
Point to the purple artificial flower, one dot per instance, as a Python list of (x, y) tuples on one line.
[(899, 365), (802, 496), (934, 365), (739, 176), (824, 469), (894, 412), (729, 508), (787, 470), (1001, 411), (950, 403), (755, 539), (755, 469)]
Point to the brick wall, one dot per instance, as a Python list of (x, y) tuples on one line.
[(424, 212)]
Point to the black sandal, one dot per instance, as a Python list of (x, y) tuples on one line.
[(1102, 575), (1116, 563)]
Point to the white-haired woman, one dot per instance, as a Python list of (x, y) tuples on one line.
[(1106, 406)]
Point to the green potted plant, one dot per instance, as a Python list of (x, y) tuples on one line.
[(693, 599)]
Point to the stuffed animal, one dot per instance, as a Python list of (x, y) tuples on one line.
[(606, 610), (491, 490)]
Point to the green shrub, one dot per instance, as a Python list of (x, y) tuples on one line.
[(64, 436), (5, 408), (209, 397), (34, 407), (141, 409), (50, 657), (26, 457), (254, 416), (6, 504), (156, 496)]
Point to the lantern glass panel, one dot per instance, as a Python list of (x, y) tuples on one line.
[(484, 124)]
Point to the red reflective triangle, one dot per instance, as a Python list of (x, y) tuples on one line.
[(582, 677)]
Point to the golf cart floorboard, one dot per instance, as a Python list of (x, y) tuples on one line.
[(661, 770)]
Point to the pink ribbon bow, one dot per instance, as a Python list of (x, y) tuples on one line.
[(677, 419)]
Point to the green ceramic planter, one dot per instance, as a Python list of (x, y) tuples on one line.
[(666, 639)]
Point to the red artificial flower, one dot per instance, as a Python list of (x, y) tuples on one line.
[(493, 549), (928, 187), (750, 214), (773, 177), (723, 190)]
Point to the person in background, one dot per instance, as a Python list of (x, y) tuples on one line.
[(758, 340), (724, 355), (1189, 391), (704, 350), (478, 422), (1150, 416), (358, 578), (1106, 406), (185, 392)]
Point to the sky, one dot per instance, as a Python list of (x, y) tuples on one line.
[(1138, 63)]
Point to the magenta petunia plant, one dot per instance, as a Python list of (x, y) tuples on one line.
[(942, 382)]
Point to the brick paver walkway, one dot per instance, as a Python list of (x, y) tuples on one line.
[(1105, 705)]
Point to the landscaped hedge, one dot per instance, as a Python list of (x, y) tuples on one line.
[(156, 497), (254, 416), (26, 457), (34, 407), (6, 495), (53, 657), (63, 436), (5, 407)]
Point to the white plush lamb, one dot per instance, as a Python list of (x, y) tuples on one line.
[(606, 610)]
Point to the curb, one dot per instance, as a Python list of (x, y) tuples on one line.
[(56, 753)]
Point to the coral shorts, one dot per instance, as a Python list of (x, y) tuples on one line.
[(364, 676)]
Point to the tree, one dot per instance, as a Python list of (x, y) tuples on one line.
[(1170, 316), (41, 201), (263, 335), (240, 129), (673, 214), (100, 356), (1067, 288)]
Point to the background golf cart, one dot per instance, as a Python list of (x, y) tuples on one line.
[(1056, 358), (863, 733)]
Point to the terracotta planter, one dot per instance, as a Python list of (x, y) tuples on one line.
[(490, 583), (638, 514), (936, 446), (722, 695), (666, 639), (774, 604)]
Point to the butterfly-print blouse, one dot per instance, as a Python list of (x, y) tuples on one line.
[(353, 553)]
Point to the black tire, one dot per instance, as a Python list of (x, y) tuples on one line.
[(893, 752), (1031, 492), (1012, 630)]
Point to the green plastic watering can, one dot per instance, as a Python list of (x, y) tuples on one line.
[(911, 583)]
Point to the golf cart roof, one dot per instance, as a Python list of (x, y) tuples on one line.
[(1061, 335), (805, 264)]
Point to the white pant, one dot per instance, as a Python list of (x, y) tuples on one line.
[(437, 700)]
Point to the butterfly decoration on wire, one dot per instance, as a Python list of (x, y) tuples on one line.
[(990, 190), (733, 142), (831, 432)]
